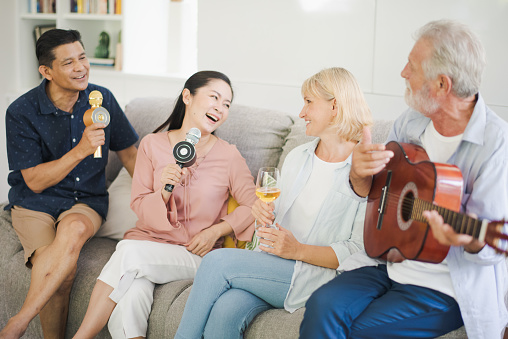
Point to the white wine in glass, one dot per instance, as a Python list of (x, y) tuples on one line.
[(267, 185)]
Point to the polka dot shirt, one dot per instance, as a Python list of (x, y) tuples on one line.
[(38, 132)]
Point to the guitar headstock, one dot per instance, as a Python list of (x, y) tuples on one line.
[(497, 236)]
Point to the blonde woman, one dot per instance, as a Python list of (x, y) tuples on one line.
[(320, 222)]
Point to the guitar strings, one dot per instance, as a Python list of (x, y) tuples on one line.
[(412, 208)]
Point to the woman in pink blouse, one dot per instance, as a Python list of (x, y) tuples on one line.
[(175, 229)]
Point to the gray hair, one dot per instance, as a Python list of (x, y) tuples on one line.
[(458, 54)]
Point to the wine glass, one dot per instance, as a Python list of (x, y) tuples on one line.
[(267, 186)]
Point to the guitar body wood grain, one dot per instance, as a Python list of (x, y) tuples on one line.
[(399, 235)]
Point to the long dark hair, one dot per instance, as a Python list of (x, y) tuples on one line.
[(195, 82)]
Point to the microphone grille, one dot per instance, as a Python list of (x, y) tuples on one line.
[(193, 135)]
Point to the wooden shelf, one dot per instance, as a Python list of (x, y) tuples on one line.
[(101, 17), (39, 16)]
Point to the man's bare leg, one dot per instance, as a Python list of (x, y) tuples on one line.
[(54, 315), (51, 267)]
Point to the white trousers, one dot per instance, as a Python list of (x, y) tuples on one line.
[(133, 270)]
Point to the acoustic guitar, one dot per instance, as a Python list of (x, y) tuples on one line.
[(394, 227)]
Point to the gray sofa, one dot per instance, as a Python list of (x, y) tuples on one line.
[(264, 137)]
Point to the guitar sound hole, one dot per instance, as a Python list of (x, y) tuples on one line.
[(407, 206)]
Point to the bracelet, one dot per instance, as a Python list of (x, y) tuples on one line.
[(353, 189)]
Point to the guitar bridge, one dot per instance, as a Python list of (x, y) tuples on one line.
[(383, 200)]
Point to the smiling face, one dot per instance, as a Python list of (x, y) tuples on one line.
[(208, 108), (318, 114), (69, 71)]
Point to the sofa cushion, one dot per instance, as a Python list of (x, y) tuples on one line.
[(145, 114), (380, 131), (274, 323), (258, 133), (120, 216), (165, 317), (296, 137), (9, 241)]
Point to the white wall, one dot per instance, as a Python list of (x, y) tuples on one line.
[(268, 47)]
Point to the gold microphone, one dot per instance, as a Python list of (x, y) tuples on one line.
[(96, 114)]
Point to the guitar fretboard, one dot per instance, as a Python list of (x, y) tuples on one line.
[(461, 223)]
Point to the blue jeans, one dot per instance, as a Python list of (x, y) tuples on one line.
[(366, 303), (231, 287)]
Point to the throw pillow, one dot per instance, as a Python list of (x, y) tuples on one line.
[(229, 241), (120, 217), (295, 138)]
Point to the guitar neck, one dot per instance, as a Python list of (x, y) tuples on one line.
[(460, 222)]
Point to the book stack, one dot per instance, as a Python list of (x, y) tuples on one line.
[(107, 62), (96, 6), (42, 6)]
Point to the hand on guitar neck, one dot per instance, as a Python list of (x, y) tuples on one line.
[(446, 235), (368, 159), (398, 223)]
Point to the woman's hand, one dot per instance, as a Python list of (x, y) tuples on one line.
[(171, 175), (263, 212), (282, 240), (203, 242)]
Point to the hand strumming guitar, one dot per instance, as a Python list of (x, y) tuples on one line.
[(368, 159)]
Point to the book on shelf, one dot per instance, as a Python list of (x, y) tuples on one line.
[(41, 6), (39, 30), (102, 7), (33, 6), (109, 62), (96, 6), (74, 6)]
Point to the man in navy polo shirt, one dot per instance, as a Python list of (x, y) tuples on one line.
[(58, 195)]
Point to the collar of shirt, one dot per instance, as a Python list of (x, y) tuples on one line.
[(47, 107)]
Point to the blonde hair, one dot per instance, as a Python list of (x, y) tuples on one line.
[(353, 113)]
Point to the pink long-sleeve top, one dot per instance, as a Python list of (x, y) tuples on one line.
[(201, 199)]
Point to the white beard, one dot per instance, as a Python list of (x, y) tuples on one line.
[(421, 100)]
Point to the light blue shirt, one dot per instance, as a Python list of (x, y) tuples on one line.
[(339, 223), (479, 280)]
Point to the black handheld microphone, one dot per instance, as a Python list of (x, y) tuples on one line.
[(184, 152)]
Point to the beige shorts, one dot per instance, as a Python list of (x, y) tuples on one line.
[(38, 229)]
